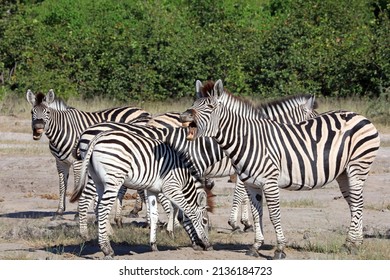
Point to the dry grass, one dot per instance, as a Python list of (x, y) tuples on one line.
[(65, 240)]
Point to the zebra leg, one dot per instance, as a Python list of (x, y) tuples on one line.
[(76, 171), (153, 217), (245, 213), (104, 208), (240, 198), (271, 193), (63, 173), (256, 197), (170, 211), (351, 188), (119, 206), (85, 201), (138, 204)]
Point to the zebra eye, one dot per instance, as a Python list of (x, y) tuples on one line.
[(210, 106)]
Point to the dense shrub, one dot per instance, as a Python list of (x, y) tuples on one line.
[(155, 50)]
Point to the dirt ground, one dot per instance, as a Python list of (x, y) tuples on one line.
[(29, 185)]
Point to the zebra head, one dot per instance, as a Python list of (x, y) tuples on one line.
[(40, 112), (203, 117)]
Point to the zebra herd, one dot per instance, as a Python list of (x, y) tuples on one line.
[(169, 158)]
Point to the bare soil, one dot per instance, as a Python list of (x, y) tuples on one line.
[(29, 193)]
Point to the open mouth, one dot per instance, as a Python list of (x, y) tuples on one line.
[(37, 133), (191, 131)]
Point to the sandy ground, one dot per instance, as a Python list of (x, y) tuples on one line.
[(29, 186)]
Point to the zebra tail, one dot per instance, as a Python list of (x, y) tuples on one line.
[(83, 177)]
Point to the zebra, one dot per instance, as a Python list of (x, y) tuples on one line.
[(286, 110), (115, 158), (161, 120), (207, 155), (63, 125), (337, 145)]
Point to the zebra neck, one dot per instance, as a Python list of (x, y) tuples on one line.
[(63, 131), (237, 135)]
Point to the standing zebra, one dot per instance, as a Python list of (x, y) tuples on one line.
[(63, 125), (267, 155), (292, 109), (115, 158)]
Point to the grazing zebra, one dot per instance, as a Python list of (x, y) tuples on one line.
[(115, 158), (63, 125), (286, 110), (267, 155)]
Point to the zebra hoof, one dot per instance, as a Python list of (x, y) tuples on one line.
[(252, 252), (197, 247), (279, 255), (154, 247), (248, 228), (209, 248), (237, 230)]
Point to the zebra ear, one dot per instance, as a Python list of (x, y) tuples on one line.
[(199, 88), (202, 199), (30, 97), (50, 96), (218, 89)]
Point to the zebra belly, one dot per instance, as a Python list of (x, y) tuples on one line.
[(308, 179), (154, 185)]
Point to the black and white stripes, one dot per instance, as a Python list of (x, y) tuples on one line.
[(116, 157), (63, 125), (269, 155)]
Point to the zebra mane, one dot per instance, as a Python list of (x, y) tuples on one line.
[(39, 98), (208, 88), (300, 98), (57, 104)]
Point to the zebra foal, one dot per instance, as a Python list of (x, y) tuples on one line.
[(63, 125), (119, 158), (267, 155)]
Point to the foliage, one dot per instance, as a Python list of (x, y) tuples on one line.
[(133, 50)]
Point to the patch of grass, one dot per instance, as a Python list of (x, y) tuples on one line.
[(385, 206), (299, 203), (331, 246), (27, 149), (50, 196)]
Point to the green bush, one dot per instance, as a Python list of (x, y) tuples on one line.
[(155, 50)]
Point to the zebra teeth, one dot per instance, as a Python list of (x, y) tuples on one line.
[(185, 124), (191, 133)]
